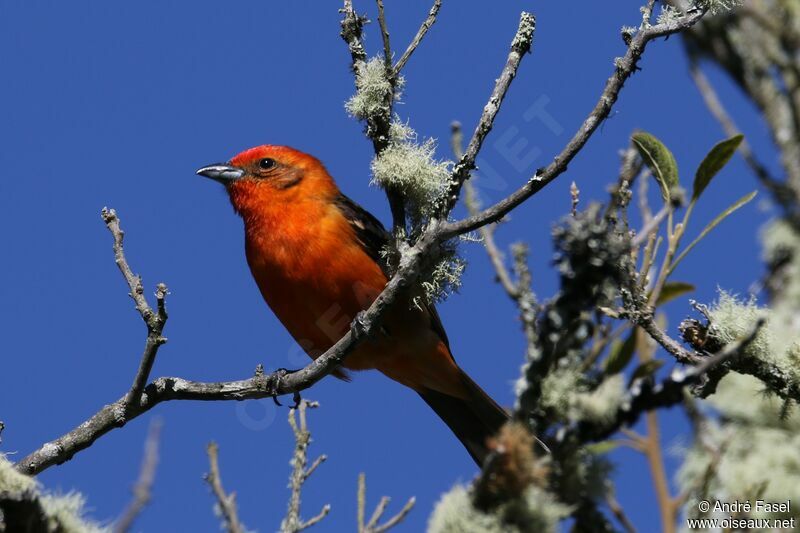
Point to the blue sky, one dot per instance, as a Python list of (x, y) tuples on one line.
[(116, 104)]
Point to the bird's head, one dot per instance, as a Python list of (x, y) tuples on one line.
[(271, 175)]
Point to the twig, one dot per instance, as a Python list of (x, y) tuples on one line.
[(225, 502), (717, 109), (387, 48), (520, 290), (624, 68), (575, 197), (293, 522), (154, 320), (372, 526), (651, 445), (520, 45), (423, 29), (144, 485), (617, 509), (647, 13), (378, 124), (486, 233), (682, 355), (650, 227), (784, 195), (644, 396)]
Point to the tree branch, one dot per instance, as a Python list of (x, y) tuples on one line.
[(144, 485), (520, 45), (644, 396), (293, 523), (423, 29), (373, 526), (154, 320), (387, 47), (624, 68), (225, 502)]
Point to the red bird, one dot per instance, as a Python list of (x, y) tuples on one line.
[(316, 257)]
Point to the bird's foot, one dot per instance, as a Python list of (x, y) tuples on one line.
[(297, 399), (279, 374), (360, 325)]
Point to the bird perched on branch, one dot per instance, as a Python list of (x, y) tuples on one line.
[(317, 258)]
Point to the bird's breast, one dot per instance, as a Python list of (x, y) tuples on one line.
[(314, 276)]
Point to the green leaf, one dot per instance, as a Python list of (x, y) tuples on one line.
[(620, 355), (711, 225), (673, 289), (717, 158), (648, 368), (659, 159), (602, 447)]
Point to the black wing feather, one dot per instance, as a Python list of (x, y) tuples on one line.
[(374, 238)]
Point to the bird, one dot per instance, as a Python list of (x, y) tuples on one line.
[(318, 259)]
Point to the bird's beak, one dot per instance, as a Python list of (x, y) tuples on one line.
[(222, 173)]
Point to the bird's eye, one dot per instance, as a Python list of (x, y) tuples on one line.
[(266, 163)]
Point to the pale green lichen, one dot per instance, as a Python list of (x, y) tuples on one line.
[(445, 278), (751, 454), (583, 472), (537, 512), (670, 14), (12, 481), (412, 168), (777, 343), (524, 36), (716, 7), (566, 392), (66, 513), (63, 512), (782, 253), (602, 404), (373, 90)]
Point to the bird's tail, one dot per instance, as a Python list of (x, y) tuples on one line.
[(473, 419)]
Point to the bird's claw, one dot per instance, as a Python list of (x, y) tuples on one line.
[(297, 399), (360, 324), (279, 374)]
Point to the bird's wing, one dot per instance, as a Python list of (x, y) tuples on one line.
[(374, 238)]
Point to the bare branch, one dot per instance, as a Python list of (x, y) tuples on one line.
[(293, 522), (486, 232), (644, 396), (617, 510), (423, 29), (144, 485), (783, 194), (154, 320), (387, 48), (575, 196), (651, 227), (225, 502), (520, 45), (624, 68), (379, 510), (372, 526), (648, 324)]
